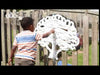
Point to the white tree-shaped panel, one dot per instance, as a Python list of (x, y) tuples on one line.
[(65, 33)]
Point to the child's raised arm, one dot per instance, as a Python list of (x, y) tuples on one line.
[(48, 33), (39, 37)]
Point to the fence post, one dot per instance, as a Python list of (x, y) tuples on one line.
[(85, 39), (3, 38), (94, 41)]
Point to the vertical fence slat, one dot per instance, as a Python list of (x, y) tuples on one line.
[(94, 41), (3, 38), (74, 58), (45, 51), (81, 29), (85, 40), (75, 53), (35, 17), (21, 14), (45, 56), (64, 58), (33, 14), (8, 35), (38, 56), (50, 62), (14, 25), (35, 23)]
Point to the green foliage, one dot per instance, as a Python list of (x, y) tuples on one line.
[(80, 57), (69, 52)]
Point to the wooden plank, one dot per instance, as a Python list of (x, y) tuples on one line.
[(8, 35), (21, 14), (28, 13), (33, 14), (45, 56), (35, 17), (85, 40), (92, 12), (44, 14), (74, 53), (74, 58), (40, 15), (14, 25), (38, 56), (50, 62), (64, 58), (94, 40), (14, 28), (80, 20), (81, 29), (3, 38)]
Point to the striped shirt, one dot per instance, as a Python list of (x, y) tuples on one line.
[(27, 45)]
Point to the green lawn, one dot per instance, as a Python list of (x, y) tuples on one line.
[(80, 57)]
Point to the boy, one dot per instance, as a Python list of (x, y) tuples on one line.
[(26, 42)]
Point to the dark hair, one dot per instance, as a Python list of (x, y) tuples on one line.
[(26, 22)]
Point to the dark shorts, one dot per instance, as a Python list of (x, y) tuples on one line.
[(23, 62)]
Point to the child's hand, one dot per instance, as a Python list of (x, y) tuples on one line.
[(9, 62), (38, 37), (52, 31)]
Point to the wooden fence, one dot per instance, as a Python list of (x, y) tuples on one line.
[(11, 26)]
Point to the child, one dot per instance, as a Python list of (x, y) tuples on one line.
[(26, 42)]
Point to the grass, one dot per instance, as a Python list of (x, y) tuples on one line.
[(80, 57)]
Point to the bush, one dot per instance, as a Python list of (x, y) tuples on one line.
[(69, 52)]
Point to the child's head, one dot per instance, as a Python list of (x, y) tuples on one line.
[(27, 23)]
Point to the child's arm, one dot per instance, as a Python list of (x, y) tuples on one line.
[(38, 36), (48, 33), (12, 54)]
